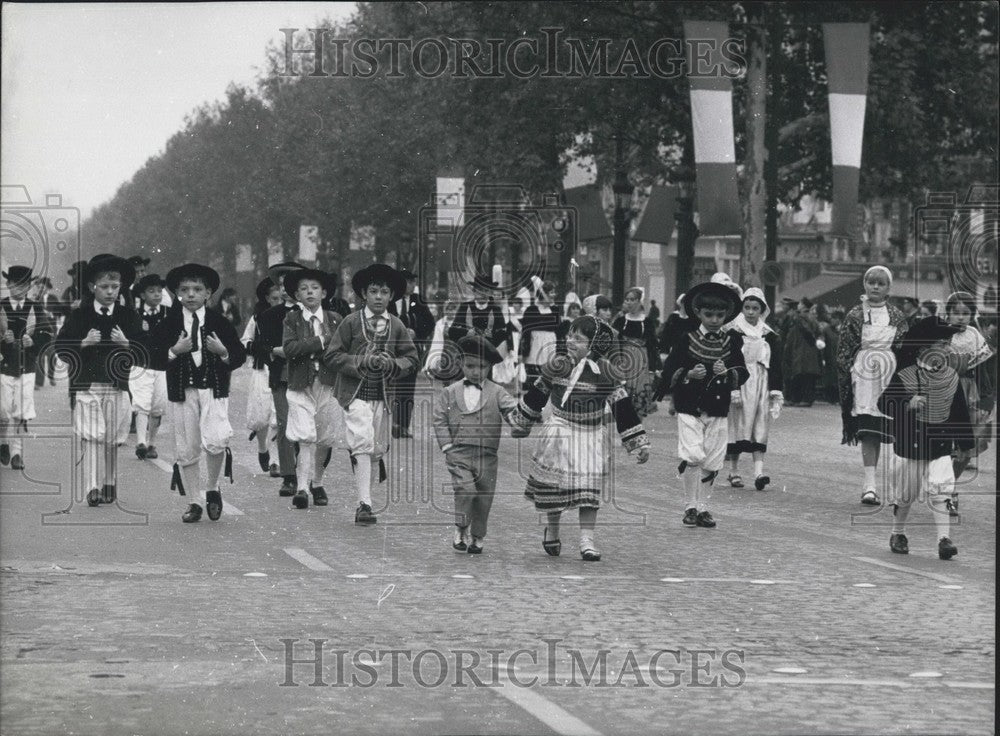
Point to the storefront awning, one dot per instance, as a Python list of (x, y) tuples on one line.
[(591, 223)]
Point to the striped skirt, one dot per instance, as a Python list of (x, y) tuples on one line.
[(570, 466)]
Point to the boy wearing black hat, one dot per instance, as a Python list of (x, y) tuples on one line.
[(26, 327), (930, 422), (148, 380), (704, 367), (369, 348), (271, 325), (97, 336), (315, 419), (200, 349), (468, 418)]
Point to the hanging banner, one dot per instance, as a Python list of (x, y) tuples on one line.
[(719, 211), (244, 258), (275, 251), (308, 243), (847, 74)]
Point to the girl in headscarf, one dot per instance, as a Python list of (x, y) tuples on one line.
[(975, 363), (757, 402), (870, 333), (570, 466), (638, 353)]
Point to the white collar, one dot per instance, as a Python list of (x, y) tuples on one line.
[(485, 304), (189, 316), (98, 307), (307, 315), (369, 314), (704, 331), (146, 309), (18, 303), (641, 317)]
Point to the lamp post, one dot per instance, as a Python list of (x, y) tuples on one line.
[(622, 189)]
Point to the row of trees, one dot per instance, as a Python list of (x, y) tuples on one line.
[(366, 148)]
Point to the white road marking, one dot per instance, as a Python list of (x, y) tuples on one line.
[(227, 508), (560, 721), (903, 684), (902, 568), (313, 563), (926, 674)]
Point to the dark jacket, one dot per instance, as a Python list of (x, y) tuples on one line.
[(148, 324), (488, 322), (17, 359), (711, 394), (304, 350), (534, 321), (181, 368), (106, 362), (271, 327), (418, 318)]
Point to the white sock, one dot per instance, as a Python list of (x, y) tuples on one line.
[(692, 479), (705, 491), (190, 476), (870, 478), (141, 427), (758, 468), (363, 478), (91, 461), (942, 519), (154, 427), (318, 469), (304, 464), (374, 478), (213, 463)]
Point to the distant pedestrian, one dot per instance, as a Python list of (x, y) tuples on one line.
[(638, 356), (703, 369), (865, 362), (540, 326), (571, 463), (147, 381), (468, 420), (930, 421), (261, 418), (228, 306), (801, 365)]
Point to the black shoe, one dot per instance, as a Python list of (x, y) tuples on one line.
[(475, 549), (405, 434), (760, 483), (109, 494), (264, 460), (319, 496), (870, 498), (141, 451), (946, 549), (364, 515), (552, 547), (899, 544), (300, 500), (151, 453), (213, 504), (705, 520), (273, 471), (691, 517), (4, 454), (192, 515), (94, 497), (16, 463), (287, 489), (461, 534)]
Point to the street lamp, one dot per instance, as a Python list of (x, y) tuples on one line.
[(622, 189)]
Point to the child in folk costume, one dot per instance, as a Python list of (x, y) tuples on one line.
[(468, 419), (703, 369), (570, 465), (261, 419), (930, 421), (370, 347), (482, 315), (315, 419), (26, 324), (637, 341), (539, 327), (97, 340), (147, 383), (865, 363), (201, 349), (975, 363), (758, 401)]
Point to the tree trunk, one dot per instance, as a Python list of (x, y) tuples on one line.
[(753, 251), (687, 231)]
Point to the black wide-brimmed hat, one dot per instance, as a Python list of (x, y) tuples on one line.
[(17, 275), (150, 279), (379, 273), (77, 269), (277, 269), (925, 332), (138, 260), (293, 277), (480, 347), (481, 281), (723, 292), (105, 262), (209, 276), (408, 274)]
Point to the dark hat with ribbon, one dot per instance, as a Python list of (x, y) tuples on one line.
[(17, 275), (479, 347), (150, 279), (734, 305), (208, 276), (379, 273), (109, 263), (277, 269), (292, 279)]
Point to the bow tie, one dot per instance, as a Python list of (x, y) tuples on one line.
[(467, 382)]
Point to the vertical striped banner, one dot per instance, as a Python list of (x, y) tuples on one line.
[(719, 210), (847, 74)]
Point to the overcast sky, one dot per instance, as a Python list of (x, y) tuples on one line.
[(91, 91)]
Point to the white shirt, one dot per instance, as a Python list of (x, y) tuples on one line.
[(472, 395), (17, 305), (98, 307), (196, 355), (383, 322)]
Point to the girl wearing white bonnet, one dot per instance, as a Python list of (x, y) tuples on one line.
[(865, 364)]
